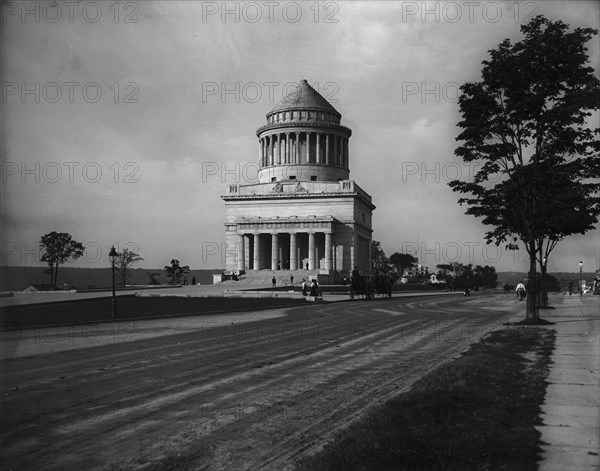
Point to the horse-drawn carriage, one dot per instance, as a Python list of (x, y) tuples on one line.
[(383, 285), (361, 287), (366, 287)]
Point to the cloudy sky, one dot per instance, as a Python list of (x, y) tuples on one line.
[(123, 122)]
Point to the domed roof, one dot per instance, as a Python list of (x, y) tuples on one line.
[(304, 97)]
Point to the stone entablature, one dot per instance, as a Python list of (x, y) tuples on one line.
[(343, 130), (297, 189), (301, 116), (277, 224)]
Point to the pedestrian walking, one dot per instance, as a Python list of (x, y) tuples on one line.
[(292, 280), (304, 288), (314, 289), (521, 292), (274, 281)]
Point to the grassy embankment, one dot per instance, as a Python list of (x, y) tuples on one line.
[(131, 307)]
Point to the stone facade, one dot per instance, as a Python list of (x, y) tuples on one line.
[(304, 212)]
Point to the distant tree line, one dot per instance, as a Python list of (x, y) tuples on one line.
[(455, 275)]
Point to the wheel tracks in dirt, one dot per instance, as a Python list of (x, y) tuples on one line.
[(328, 426), (329, 423)]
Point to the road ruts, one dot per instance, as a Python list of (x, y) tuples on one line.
[(252, 396)]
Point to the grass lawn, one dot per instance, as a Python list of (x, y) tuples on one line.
[(130, 307), (476, 412)]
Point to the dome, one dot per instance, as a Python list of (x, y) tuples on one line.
[(304, 97)]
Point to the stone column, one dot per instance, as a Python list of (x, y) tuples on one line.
[(311, 250), (297, 156), (328, 251), (266, 149), (269, 148), (247, 261), (274, 251), (293, 259), (287, 148), (318, 149), (260, 152), (346, 153), (335, 149), (240, 253), (256, 263), (307, 147), (327, 149)]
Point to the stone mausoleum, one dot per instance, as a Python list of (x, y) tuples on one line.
[(304, 213)]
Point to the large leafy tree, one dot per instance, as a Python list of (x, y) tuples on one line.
[(152, 278), (59, 247), (527, 123), (124, 263), (485, 276), (401, 261), (175, 271), (446, 273), (379, 262)]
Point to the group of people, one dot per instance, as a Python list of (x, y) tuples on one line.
[(313, 290)]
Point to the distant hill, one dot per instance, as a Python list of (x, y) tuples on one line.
[(19, 278), (510, 277)]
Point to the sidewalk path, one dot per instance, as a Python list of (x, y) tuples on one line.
[(571, 409)]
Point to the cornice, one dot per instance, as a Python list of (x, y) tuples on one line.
[(288, 196), (303, 124)]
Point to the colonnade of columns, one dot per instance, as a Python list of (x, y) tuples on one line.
[(302, 148), (293, 256)]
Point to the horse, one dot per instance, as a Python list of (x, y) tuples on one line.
[(361, 286), (383, 286)]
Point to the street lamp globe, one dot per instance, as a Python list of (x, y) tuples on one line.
[(113, 255)]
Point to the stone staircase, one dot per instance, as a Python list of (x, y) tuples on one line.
[(264, 278)]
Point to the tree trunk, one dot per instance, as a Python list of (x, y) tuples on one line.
[(544, 291), (531, 285)]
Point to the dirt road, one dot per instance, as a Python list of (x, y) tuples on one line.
[(229, 395)]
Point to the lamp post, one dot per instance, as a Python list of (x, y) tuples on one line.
[(581, 278), (113, 256)]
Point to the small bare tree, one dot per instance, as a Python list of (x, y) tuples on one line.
[(126, 259)]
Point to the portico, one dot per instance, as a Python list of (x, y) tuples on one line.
[(285, 244)]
